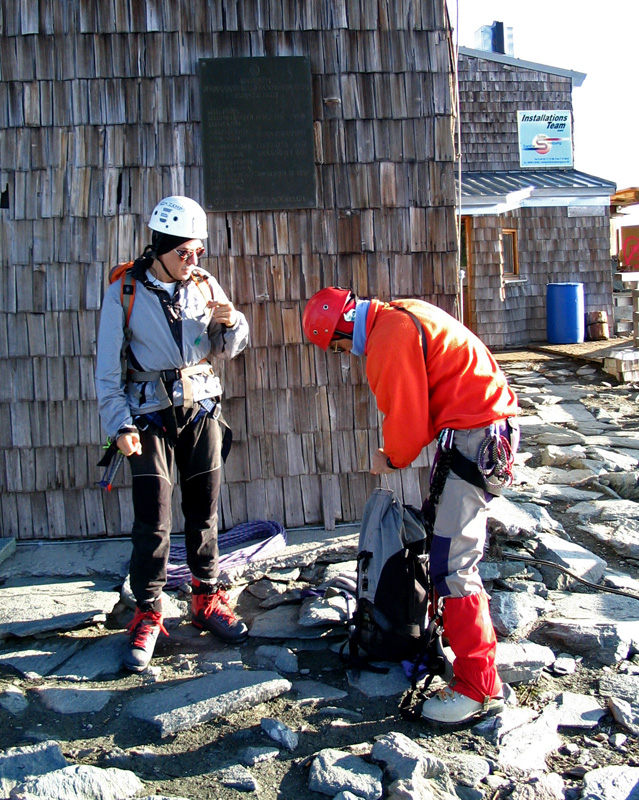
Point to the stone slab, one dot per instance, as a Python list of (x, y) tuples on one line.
[(283, 623), (549, 434), (569, 555), (30, 607), (523, 750), (69, 559), (374, 684), (596, 607), (569, 494), (625, 687), (304, 547), (567, 412), (81, 782), (611, 783), (71, 700), (19, 763), (603, 627), (37, 659), (522, 662), (335, 770), (196, 701), (578, 711), (100, 657), (518, 520), (310, 691)]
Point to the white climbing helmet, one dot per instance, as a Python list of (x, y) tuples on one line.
[(179, 216)]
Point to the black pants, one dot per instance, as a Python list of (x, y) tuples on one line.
[(197, 455)]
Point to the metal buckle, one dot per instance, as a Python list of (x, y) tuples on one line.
[(446, 439), (170, 375)]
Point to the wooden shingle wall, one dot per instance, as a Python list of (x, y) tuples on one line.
[(100, 118), (553, 246), (490, 95)]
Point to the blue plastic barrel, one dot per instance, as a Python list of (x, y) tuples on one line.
[(565, 315)]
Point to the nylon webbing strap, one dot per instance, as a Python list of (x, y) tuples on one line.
[(187, 394), (419, 327), (169, 374), (466, 469)]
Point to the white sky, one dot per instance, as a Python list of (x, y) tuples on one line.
[(599, 39)]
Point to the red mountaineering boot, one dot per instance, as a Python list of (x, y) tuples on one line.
[(145, 628), (210, 611)]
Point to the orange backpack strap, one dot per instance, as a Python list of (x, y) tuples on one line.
[(122, 273), (127, 297)]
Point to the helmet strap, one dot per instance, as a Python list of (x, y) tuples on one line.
[(159, 260), (347, 317)]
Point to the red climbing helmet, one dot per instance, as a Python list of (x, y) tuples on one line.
[(325, 315)]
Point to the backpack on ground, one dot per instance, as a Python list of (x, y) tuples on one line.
[(390, 621)]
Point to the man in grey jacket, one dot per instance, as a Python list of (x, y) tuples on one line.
[(159, 400)]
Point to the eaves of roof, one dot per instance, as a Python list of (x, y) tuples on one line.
[(500, 191), (577, 77)]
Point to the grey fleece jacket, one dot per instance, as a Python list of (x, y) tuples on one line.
[(157, 344)]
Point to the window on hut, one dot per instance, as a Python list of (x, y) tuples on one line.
[(509, 250)]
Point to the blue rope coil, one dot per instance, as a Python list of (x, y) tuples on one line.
[(269, 537)]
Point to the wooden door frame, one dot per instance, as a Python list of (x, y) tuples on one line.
[(467, 288)]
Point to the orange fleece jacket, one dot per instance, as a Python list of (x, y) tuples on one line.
[(460, 386)]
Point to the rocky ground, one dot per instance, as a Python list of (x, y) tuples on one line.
[(280, 718)]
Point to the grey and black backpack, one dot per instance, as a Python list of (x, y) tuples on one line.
[(390, 618), (390, 621)]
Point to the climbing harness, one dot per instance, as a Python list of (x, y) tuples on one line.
[(168, 376)]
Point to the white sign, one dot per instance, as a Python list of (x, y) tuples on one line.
[(545, 139)]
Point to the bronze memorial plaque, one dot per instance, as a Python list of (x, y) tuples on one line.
[(257, 133)]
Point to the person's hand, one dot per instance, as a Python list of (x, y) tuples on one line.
[(224, 313), (380, 464), (129, 444)]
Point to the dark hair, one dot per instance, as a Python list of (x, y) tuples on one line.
[(162, 243), (142, 263)]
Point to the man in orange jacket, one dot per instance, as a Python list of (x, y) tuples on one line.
[(433, 378)]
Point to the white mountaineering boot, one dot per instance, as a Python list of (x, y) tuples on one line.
[(450, 707)]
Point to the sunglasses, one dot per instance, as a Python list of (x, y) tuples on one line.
[(186, 254)]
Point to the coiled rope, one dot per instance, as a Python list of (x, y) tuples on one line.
[(495, 459), (269, 537)]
